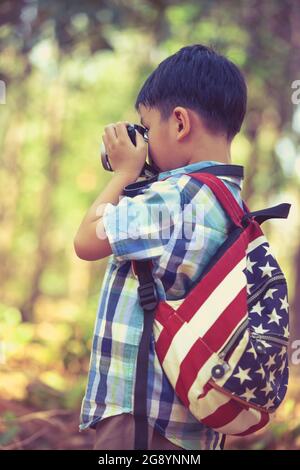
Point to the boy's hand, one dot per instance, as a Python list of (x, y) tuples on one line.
[(124, 156)]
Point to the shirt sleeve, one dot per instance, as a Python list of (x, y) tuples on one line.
[(139, 227)]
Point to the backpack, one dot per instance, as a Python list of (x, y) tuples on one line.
[(224, 347)]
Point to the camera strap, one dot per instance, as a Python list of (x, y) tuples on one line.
[(134, 189)]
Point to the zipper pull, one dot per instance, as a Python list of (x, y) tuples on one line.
[(260, 348)]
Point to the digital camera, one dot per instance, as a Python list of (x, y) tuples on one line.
[(148, 171)]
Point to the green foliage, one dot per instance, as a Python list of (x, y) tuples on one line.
[(11, 429), (71, 68)]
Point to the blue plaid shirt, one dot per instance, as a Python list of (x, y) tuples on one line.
[(119, 321)]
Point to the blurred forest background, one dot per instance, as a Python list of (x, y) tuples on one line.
[(70, 68)]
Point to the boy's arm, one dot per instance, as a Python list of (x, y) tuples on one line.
[(127, 160), (87, 244)]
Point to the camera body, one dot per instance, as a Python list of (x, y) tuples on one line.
[(147, 170)]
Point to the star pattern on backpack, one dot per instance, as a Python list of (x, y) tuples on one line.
[(266, 350)]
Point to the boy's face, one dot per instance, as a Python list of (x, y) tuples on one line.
[(163, 148)]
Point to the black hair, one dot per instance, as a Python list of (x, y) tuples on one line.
[(199, 78)]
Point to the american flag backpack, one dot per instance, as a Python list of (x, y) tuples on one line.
[(224, 347)]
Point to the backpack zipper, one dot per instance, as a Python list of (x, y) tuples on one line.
[(270, 282), (253, 334), (232, 340), (270, 338), (243, 325)]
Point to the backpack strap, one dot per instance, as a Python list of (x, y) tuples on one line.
[(148, 301), (240, 217), (223, 195), (281, 211)]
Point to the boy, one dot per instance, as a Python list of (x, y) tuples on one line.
[(192, 106)]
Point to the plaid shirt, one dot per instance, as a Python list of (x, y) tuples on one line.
[(119, 321)]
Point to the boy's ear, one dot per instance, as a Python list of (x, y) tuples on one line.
[(183, 121)]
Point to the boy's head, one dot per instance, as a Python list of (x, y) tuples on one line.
[(193, 104)]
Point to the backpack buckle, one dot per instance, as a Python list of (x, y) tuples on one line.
[(148, 296)]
